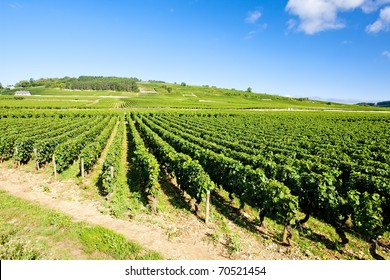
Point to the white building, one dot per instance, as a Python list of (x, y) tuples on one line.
[(23, 93)]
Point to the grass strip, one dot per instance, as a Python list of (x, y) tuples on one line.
[(29, 231)]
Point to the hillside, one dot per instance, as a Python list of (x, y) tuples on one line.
[(152, 94)]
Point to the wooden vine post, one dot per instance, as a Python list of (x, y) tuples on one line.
[(207, 207), (36, 163), (16, 162), (112, 171), (54, 167), (82, 171)]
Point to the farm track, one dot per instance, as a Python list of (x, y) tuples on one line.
[(67, 199), (149, 230)]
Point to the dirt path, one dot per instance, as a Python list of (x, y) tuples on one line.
[(177, 235), (67, 198)]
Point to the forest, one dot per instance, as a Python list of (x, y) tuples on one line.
[(84, 83)]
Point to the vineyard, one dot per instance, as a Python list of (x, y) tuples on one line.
[(285, 166), (152, 95)]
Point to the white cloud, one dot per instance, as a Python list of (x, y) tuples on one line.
[(321, 15), (14, 5), (382, 23), (253, 16), (291, 23), (373, 5), (253, 33), (386, 53)]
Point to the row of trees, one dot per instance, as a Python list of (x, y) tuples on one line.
[(102, 83), (84, 83), (379, 104), (383, 104)]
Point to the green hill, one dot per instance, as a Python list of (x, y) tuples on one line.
[(90, 92)]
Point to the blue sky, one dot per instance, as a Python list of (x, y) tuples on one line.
[(305, 48)]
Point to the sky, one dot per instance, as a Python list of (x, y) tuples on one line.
[(328, 49)]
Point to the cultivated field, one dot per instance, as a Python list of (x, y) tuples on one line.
[(296, 181)]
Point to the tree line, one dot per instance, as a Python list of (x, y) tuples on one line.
[(84, 83), (379, 104)]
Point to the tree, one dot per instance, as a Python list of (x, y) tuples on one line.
[(1, 86), (23, 83), (249, 89), (183, 84)]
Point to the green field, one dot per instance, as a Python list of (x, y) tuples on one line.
[(162, 95)]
